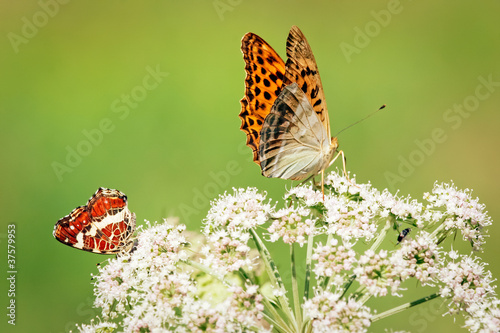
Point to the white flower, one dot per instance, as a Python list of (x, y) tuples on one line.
[(418, 258), (242, 210), (483, 317), (349, 218), (309, 196), (467, 284), (220, 285), (150, 290), (376, 273), (329, 313), (227, 229), (292, 225), (101, 327), (462, 212), (333, 259)]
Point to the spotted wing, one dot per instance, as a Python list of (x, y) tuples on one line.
[(295, 144), (264, 78), (301, 67), (104, 226)]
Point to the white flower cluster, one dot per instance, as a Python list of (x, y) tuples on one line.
[(418, 258), (164, 286), (376, 273), (462, 213), (333, 259), (145, 286), (240, 312), (100, 327), (355, 211), (469, 286), (331, 313), (292, 225), (227, 229), (350, 209), (151, 289)]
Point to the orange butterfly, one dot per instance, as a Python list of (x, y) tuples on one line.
[(284, 112)]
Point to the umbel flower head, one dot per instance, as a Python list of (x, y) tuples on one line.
[(225, 279)]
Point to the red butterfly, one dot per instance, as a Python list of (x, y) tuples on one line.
[(105, 225)]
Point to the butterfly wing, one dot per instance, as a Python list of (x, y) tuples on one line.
[(294, 142), (70, 229), (264, 79), (104, 226), (301, 68)]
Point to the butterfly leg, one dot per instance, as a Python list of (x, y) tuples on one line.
[(323, 184), (341, 152)]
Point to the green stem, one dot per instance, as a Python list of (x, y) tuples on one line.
[(324, 282), (310, 244), (276, 327), (364, 298), (404, 307), (348, 284), (274, 318), (329, 239), (207, 270), (381, 235), (295, 287), (326, 279), (438, 230), (274, 277)]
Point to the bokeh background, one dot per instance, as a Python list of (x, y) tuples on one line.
[(74, 69)]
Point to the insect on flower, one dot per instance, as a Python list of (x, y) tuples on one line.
[(402, 235)]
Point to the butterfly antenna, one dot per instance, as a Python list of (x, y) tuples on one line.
[(368, 116), (100, 263)]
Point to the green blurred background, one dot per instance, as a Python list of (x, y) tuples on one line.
[(67, 68)]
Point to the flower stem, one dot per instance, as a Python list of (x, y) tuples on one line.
[(404, 307), (274, 318), (207, 270), (381, 235), (440, 231), (270, 312), (295, 287), (348, 284), (310, 243), (274, 277)]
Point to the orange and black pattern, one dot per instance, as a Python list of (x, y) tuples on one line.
[(264, 79)]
